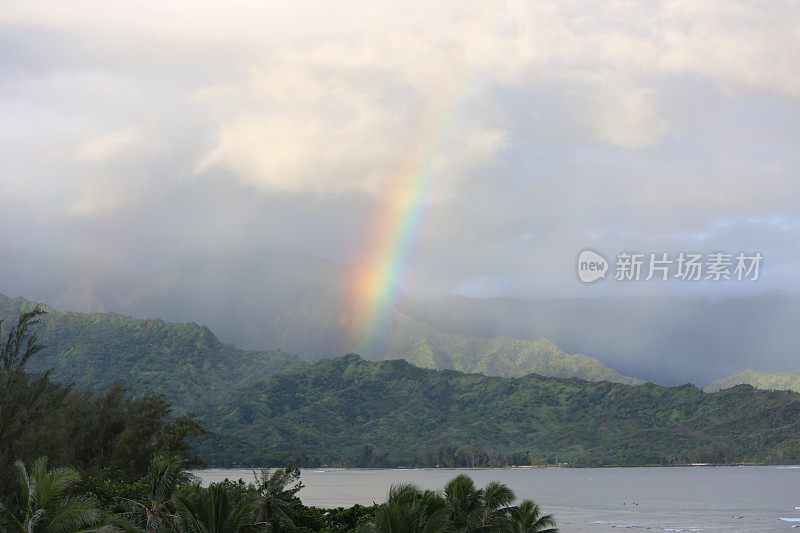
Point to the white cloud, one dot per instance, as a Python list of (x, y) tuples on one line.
[(108, 145), (547, 118), (629, 117), (329, 101)]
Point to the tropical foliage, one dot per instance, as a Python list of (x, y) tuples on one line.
[(95, 349), (115, 438), (184, 363), (45, 501), (71, 426), (48, 501), (461, 507)]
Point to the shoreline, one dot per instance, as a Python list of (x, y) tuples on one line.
[(322, 469)]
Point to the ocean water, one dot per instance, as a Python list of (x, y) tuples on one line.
[(726, 499)]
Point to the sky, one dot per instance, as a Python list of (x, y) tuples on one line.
[(516, 133)]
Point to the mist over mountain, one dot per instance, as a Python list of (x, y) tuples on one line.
[(760, 380), (298, 303), (669, 339), (90, 347)]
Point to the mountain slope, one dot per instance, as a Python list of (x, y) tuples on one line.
[(320, 323), (392, 413), (301, 304), (293, 302), (185, 362), (759, 380), (272, 408), (424, 346)]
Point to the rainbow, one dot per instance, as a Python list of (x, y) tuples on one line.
[(400, 218), (403, 208)]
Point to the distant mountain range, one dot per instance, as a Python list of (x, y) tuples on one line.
[(273, 408), (669, 340), (189, 365), (759, 380), (297, 303)]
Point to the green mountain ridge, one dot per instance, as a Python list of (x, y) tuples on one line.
[(184, 362), (320, 321), (296, 303), (272, 408), (361, 413), (426, 347), (760, 380)]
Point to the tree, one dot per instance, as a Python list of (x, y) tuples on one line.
[(527, 518), (497, 500), (155, 513), (277, 495), (19, 347), (216, 509), (19, 402), (411, 510), (465, 503), (45, 503), (462, 507)]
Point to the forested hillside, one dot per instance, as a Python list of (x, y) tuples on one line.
[(142, 348), (272, 408), (391, 413), (184, 362)]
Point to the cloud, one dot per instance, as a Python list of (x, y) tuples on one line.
[(166, 127), (296, 133), (109, 145), (629, 118)]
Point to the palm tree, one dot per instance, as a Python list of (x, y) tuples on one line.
[(45, 503), (410, 510), (491, 509), (527, 518), (276, 495), (461, 508), (465, 503), (216, 509), (155, 514), (497, 500)]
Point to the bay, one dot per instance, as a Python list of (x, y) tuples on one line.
[(730, 499)]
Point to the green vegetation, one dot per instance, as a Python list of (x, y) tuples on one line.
[(135, 456), (185, 363), (91, 432), (759, 380), (45, 500), (271, 409), (92, 348), (460, 507), (360, 413), (165, 500)]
